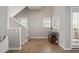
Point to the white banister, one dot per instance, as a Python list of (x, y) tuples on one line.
[(14, 36)]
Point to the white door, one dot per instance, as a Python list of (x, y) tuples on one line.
[(74, 27)]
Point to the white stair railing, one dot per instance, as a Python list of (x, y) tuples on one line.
[(17, 21), (18, 33), (14, 33), (14, 38)]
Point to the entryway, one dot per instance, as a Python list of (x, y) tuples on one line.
[(74, 27)]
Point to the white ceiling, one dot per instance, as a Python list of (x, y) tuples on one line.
[(34, 7)]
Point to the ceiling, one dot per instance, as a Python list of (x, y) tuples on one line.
[(34, 7)]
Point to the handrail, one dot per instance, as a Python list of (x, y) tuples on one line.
[(13, 18)]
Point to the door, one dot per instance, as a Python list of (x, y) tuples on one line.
[(74, 27)]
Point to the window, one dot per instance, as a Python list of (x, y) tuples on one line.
[(75, 17), (47, 22), (54, 22), (75, 20)]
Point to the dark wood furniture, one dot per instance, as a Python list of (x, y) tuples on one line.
[(53, 37)]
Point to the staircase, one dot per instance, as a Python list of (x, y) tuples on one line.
[(16, 30)]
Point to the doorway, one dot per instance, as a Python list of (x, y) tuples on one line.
[(74, 27)]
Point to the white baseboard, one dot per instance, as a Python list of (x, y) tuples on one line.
[(14, 48), (61, 45), (38, 37), (64, 47), (24, 41), (67, 49)]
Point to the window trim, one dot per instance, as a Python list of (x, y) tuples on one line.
[(43, 23)]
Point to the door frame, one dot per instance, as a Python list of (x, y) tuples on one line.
[(71, 25)]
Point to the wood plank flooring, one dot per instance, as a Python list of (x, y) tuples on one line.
[(40, 46)]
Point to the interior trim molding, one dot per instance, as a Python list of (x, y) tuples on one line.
[(64, 47), (14, 48)]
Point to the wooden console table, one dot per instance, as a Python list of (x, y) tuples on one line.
[(53, 37)]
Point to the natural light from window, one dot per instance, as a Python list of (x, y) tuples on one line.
[(47, 22)]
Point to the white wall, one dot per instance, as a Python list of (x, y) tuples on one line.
[(35, 25), (3, 19), (36, 28), (3, 27), (67, 17), (60, 12), (64, 36)]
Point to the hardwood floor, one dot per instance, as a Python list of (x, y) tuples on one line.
[(40, 46)]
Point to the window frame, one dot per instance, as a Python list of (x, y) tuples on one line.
[(44, 23)]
